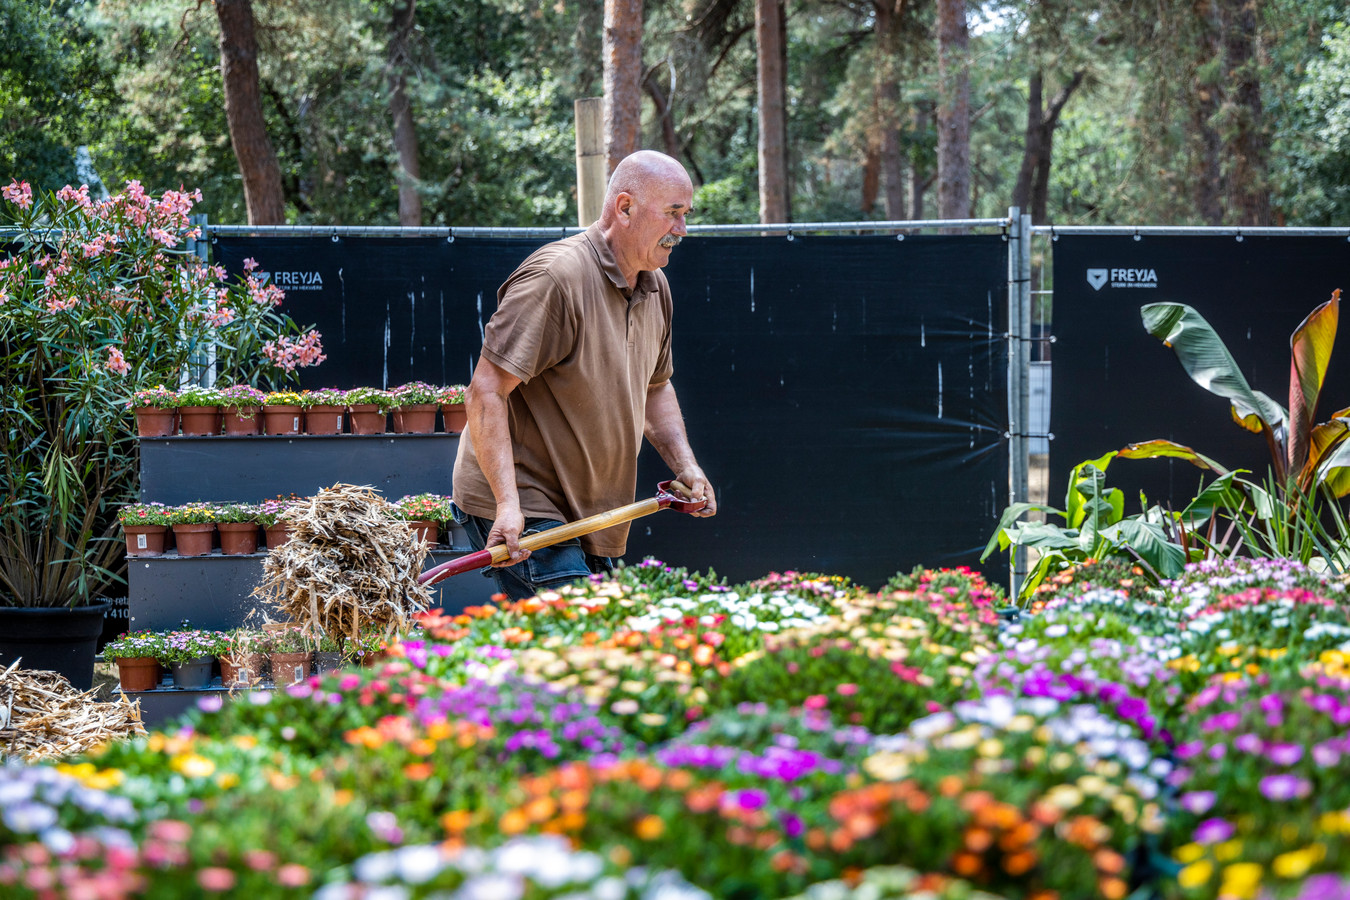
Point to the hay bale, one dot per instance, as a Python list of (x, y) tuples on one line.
[(42, 716), (350, 566)]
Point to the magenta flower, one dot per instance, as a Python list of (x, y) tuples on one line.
[(1197, 802), (1284, 754), (1213, 831), (1325, 755), (1248, 743), (1285, 787)]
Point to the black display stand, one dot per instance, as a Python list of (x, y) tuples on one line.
[(214, 591)]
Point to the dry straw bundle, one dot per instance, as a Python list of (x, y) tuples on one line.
[(42, 716), (349, 568)]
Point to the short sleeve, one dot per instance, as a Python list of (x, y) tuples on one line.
[(532, 329)]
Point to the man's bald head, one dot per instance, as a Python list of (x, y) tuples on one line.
[(638, 174), (645, 207)]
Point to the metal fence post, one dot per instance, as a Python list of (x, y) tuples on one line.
[(1019, 374)]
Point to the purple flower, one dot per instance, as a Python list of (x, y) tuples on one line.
[(1189, 749), (1284, 754), (1285, 787), (793, 826), (1325, 755), (1224, 721), (750, 798), (1197, 802), (1213, 831), (1248, 743), (1218, 751)]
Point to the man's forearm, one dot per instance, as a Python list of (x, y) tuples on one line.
[(489, 427), (664, 428)]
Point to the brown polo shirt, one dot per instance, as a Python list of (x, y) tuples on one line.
[(586, 354)]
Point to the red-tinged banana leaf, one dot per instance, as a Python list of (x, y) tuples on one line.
[(1162, 448), (1324, 440), (1206, 359), (1333, 469), (1310, 349)]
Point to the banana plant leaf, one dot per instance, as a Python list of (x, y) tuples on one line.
[(1310, 352), (1161, 448), (1206, 359), (1086, 502), (1151, 543)]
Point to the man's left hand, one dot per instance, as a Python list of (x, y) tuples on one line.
[(698, 488)]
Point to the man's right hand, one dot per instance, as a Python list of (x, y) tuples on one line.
[(506, 530)]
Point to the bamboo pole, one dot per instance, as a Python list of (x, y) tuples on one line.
[(591, 174)]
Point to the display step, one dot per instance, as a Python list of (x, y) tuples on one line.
[(178, 470), (215, 591)]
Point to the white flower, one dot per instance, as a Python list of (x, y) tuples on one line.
[(492, 886), (419, 863)]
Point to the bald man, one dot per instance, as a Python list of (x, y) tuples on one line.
[(575, 370)]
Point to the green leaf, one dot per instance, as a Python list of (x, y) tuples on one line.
[(1043, 536), (1091, 471), (1205, 358), (1149, 541), (1159, 448), (1010, 515)]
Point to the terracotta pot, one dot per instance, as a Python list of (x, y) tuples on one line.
[(284, 419), (277, 535), (425, 531), (324, 419), (242, 420), (199, 421), (238, 538), (288, 668), (145, 540), (242, 671), (194, 540), (192, 675), (138, 673), (455, 416), (416, 418), (151, 421), (366, 418)]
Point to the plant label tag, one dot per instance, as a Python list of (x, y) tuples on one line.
[(295, 423), (140, 542), (299, 673)]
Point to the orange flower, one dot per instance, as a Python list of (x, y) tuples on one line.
[(967, 865), (541, 808), (418, 771), (1108, 861), (649, 828), (1019, 863), (513, 822), (977, 840), (950, 785), (457, 821)]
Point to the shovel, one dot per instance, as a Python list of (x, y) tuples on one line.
[(665, 497)]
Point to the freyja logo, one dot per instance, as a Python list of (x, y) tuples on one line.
[(1122, 278), (292, 281)]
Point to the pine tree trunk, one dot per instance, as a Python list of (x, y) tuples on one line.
[(258, 165), (889, 13), (1244, 139), (919, 177), (769, 45), (953, 111), (400, 109), (623, 79), (1031, 149)]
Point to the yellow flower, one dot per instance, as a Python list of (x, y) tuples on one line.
[(886, 766), (1064, 796), (1296, 863), (1021, 723), (1228, 850), (227, 780), (244, 741), (1197, 874), (990, 748), (1188, 853), (1334, 823), (1241, 879), (1091, 784), (192, 765)]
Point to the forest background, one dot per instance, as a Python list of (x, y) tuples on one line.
[(460, 112)]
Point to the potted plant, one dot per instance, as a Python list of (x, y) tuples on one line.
[(237, 524), (415, 407), (156, 411), (239, 406), (244, 658), (199, 411), (189, 653), (272, 517), (324, 410), (83, 328), (289, 652), (369, 408), (452, 408), (425, 513), (136, 655), (146, 525), (194, 527), (282, 413)]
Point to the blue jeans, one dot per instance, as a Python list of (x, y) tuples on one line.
[(547, 567)]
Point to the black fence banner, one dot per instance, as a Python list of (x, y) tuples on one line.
[(1113, 384), (846, 395)]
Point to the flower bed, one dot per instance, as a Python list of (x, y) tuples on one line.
[(664, 732)]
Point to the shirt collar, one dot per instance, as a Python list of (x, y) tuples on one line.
[(646, 281)]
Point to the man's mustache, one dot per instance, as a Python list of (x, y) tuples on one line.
[(670, 240)]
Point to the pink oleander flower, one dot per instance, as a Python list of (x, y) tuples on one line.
[(19, 193), (290, 355), (250, 264), (117, 362)]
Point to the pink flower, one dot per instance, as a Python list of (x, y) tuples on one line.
[(249, 264), (1285, 787), (292, 875), (847, 690), (170, 830), (290, 355), (1284, 754), (815, 701), (117, 363), (215, 879), (1197, 802), (18, 193), (260, 860), (1213, 831)]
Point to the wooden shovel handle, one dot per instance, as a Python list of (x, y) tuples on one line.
[(499, 553)]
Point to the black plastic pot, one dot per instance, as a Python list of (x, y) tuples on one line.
[(59, 640)]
